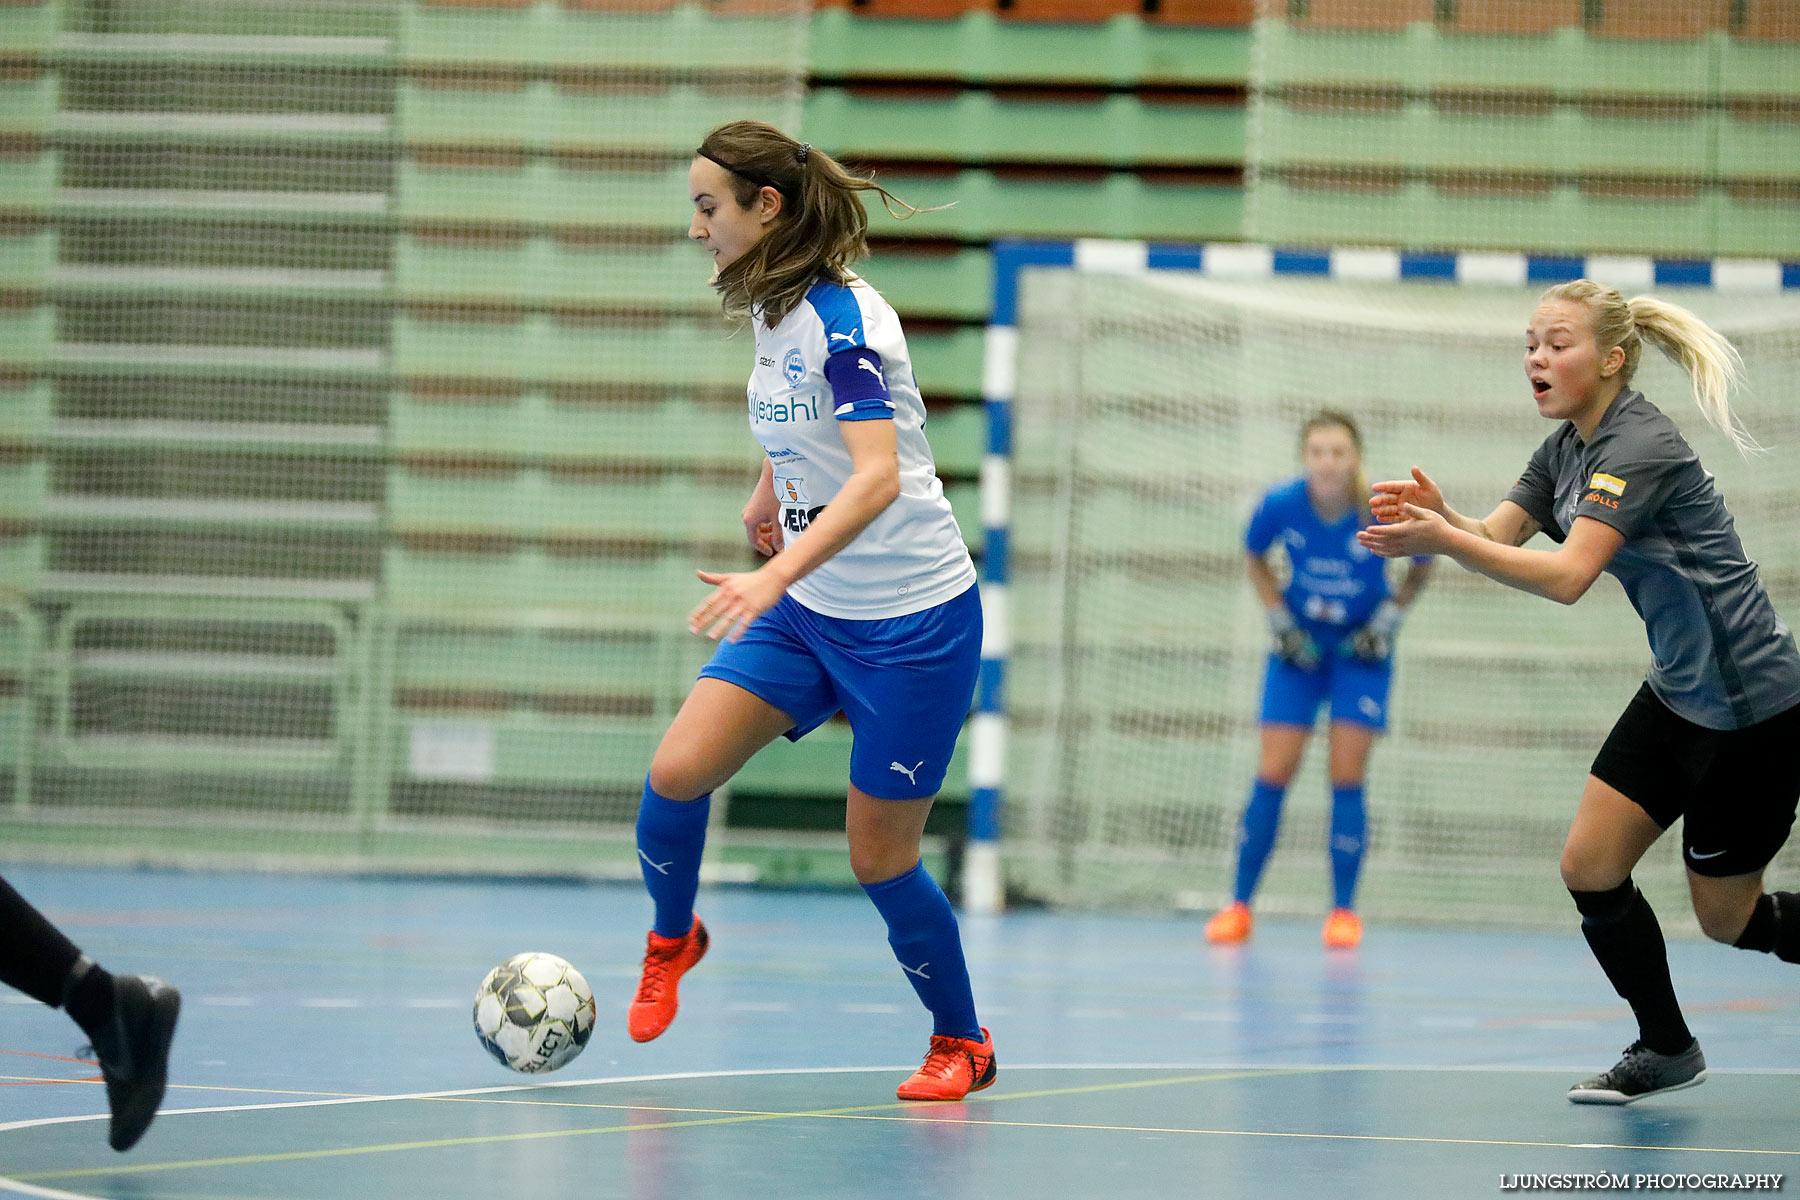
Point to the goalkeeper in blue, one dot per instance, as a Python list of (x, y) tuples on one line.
[(1332, 626), (866, 603)]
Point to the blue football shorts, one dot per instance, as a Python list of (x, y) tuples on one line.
[(1358, 691), (905, 683)]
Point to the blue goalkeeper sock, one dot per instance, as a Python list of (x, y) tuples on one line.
[(1349, 824), (922, 930), (670, 837), (1256, 836)]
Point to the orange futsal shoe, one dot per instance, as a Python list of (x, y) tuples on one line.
[(666, 960), (953, 1068), (1343, 930), (1230, 925)]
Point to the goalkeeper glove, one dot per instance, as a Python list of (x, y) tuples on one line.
[(1373, 640), (1292, 643)]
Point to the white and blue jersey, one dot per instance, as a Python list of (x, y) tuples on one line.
[(1336, 581), (888, 630), (840, 355)]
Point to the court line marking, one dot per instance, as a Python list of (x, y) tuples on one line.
[(85, 1062), (856, 1112), (44, 1193), (329, 1099), (325, 1099)]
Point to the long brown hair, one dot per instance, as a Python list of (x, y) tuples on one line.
[(822, 228), (1331, 418), (1710, 361)]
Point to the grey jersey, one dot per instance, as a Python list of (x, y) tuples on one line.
[(1721, 657)]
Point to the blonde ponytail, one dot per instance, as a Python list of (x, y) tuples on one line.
[(1711, 362)]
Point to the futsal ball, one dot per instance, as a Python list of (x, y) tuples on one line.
[(534, 1012)]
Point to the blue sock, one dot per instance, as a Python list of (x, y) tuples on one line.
[(1348, 834), (922, 930), (1256, 836), (670, 836)]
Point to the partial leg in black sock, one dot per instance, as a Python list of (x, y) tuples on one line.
[(1774, 926), (1622, 931), (88, 994), (37, 959)]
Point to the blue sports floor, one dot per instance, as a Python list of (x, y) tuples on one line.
[(325, 1052)]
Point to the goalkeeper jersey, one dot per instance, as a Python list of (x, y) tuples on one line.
[(1335, 581)]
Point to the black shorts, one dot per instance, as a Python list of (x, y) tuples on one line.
[(1735, 788)]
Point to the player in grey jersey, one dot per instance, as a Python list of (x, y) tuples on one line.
[(1709, 737)]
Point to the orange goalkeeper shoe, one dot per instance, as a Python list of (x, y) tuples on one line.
[(1230, 925), (953, 1068), (1343, 930), (666, 960)]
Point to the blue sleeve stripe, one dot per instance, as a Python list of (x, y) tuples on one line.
[(864, 410), (839, 314)]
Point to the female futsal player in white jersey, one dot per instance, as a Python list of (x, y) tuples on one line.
[(1710, 736), (867, 602)]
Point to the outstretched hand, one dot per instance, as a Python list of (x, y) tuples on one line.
[(738, 598), (1390, 496), (1410, 531)]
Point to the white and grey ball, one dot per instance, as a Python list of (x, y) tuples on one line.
[(534, 1012)]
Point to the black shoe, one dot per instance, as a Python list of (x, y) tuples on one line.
[(1642, 1072), (133, 1049)]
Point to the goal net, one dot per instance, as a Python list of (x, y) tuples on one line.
[(1153, 410)]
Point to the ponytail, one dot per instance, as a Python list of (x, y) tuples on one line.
[(822, 229), (1711, 362)]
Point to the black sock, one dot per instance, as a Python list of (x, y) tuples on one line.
[(88, 994), (35, 957), (1774, 925), (1622, 931)]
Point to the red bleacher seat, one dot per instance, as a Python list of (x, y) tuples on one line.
[(1224, 13), (1514, 16), (1770, 21), (1363, 14), (928, 10), (1067, 10), (1661, 19)]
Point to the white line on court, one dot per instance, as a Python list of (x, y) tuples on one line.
[(31, 1189), (26, 1189), (549, 1084)]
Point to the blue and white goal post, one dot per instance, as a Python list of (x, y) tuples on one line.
[(984, 882)]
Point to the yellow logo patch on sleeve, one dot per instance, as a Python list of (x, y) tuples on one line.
[(1607, 483)]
